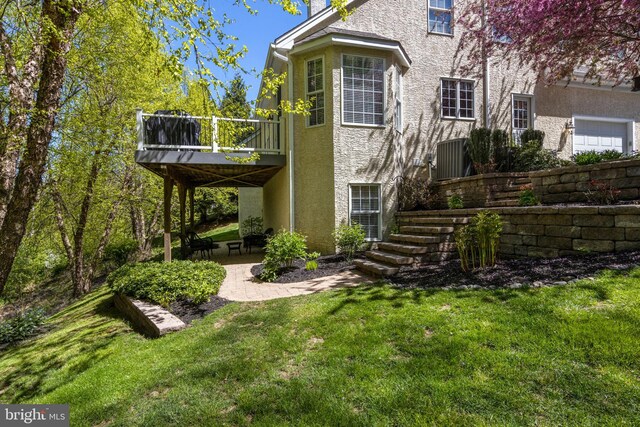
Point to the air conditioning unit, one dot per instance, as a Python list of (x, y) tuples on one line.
[(452, 159)]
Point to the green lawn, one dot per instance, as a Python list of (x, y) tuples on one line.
[(223, 234), (372, 355)]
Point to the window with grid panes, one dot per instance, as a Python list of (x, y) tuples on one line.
[(362, 90), (457, 99), (315, 91), (365, 208), (440, 16)]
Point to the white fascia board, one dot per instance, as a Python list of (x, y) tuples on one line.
[(624, 88), (344, 40), (287, 40)]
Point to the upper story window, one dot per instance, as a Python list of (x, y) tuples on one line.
[(397, 93), (457, 99), (440, 16), (315, 91), (362, 90)]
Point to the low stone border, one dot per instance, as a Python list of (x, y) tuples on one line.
[(524, 285), (151, 319)]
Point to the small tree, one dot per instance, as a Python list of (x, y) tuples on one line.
[(349, 239)]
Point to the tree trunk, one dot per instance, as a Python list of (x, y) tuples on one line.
[(62, 17)]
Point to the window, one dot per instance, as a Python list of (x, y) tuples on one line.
[(362, 90), (397, 120), (365, 209), (457, 99), (521, 115), (440, 16), (315, 91)]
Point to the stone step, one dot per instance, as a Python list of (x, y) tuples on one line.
[(436, 220), (414, 229), (412, 238), (402, 249), (440, 256), (375, 268), (521, 181), (506, 195), (504, 203), (389, 258)]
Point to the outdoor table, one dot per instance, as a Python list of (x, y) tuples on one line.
[(234, 246)]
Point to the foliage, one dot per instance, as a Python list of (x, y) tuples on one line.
[(455, 202), (252, 225), (21, 326), (502, 150), (529, 135), (121, 252), (481, 150), (281, 251), (311, 266), (592, 157), (601, 193), (528, 198), (165, 282), (477, 242), (416, 193), (530, 156), (349, 239), (215, 204), (555, 37)]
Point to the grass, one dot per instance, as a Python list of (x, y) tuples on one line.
[(372, 355), (223, 234)]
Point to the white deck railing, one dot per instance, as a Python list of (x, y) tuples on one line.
[(216, 134)]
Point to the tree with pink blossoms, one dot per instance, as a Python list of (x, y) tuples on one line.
[(555, 37)]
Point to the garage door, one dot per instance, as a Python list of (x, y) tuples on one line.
[(599, 136)]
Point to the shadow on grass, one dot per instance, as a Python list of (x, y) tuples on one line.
[(380, 291)]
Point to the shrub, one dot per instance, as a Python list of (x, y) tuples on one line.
[(601, 193), (502, 151), (416, 193), (311, 265), (455, 202), (252, 225), (592, 157), (165, 282), (281, 251), (21, 326), (532, 135), (119, 253), (477, 242), (481, 150), (349, 238), (530, 156), (528, 198)]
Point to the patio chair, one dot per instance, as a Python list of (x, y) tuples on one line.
[(195, 243), (257, 240)]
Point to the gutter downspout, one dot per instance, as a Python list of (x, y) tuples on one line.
[(485, 76), (291, 150)]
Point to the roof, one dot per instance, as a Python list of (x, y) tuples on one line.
[(333, 30)]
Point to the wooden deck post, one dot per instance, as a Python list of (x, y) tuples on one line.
[(182, 196), (192, 222), (168, 190)]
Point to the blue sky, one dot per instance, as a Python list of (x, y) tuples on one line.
[(256, 32)]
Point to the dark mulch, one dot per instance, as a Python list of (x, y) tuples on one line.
[(188, 311), (515, 272), (328, 265)]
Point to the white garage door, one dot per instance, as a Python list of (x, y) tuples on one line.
[(599, 136)]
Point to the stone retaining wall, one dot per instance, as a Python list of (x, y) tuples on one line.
[(475, 190), (568, 184), (540, 231), (152, 320)]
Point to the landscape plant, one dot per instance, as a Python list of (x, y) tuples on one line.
[(252, 225), (480, 149), (349, 239), (477, 242), (165, 282), (601, 193), (21, 326), (281, 251), (527, 197), (455, 202), (416, 193), (531, 156), (502, 150), (592, 157)]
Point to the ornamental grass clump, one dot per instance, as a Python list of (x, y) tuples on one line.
[(477, 242), (166, 282)]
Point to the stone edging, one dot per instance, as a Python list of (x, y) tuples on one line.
[(522, 285), (151, 319)]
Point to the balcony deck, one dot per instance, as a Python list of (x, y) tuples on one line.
[(209, 151)]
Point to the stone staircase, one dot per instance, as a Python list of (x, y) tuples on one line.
[(507, 195), (421, 239)]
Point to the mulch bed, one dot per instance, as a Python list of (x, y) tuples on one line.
[(188, 311), (328, 265), (515, 273)]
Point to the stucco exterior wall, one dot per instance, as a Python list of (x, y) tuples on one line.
[(249, 204)]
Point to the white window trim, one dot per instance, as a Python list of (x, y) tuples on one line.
[(370, 184), (631, 129), (439, 9), (532, 112), (457, 117), (323, 91), (398, 100), (384, 93)]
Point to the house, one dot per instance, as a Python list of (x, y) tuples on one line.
[(385, 91)]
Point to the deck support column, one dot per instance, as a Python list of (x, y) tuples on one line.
[(192, 222), (168, 190), (182, 196)]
